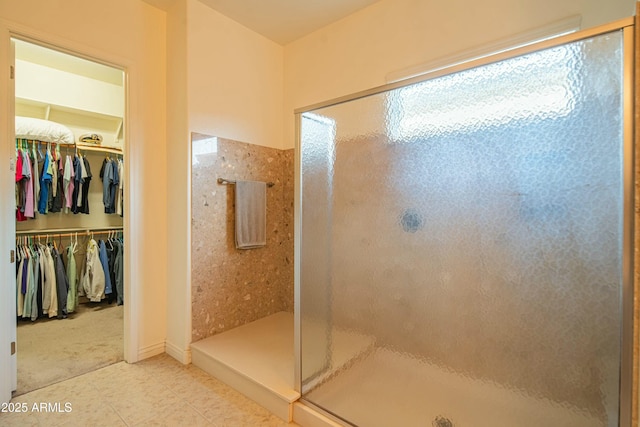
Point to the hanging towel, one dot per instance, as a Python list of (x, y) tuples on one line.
[(251, 214)]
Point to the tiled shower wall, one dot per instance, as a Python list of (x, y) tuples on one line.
[(231, 287)]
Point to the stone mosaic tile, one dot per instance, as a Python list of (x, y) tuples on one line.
[(232, 287)]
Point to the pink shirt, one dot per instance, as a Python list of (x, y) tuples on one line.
[(68, 176), (28, 208)]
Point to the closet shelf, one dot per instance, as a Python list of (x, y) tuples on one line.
[(98, 148), (79, 121)]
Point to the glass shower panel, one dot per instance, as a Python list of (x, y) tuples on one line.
[(315, 255), (461, 249)]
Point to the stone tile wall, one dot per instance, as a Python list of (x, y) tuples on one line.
[(232, 287)]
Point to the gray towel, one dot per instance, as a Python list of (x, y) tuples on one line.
[(251, 214)]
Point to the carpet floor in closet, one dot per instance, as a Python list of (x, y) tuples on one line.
[(54, 350)]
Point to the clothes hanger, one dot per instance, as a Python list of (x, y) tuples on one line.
[(21, 252), (110, 239)]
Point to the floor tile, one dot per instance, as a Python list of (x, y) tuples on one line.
[(155, 392), (179, 415)]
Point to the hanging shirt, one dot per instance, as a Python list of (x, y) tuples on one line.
[(36, 296), (84, 206), (83, 173), (50, 293), (18, 166), (113, 187), (111, 257), (26, 174), (36, 177), (72, 296), (31, 285), (40, 296), (119, 271), (62, 285), (54, 174), (18, 181), (28, 207), (67, 177), (20, 295), (77, 179), (49, 166), (106, 174), (57, 183), (104, 261), (45, 182), (119, 208), (93, 280)]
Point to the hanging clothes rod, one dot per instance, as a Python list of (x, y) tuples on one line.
[(83, 147), (60, 235), (62, 231), (231, 182)]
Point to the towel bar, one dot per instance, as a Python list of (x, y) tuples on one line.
[(231, 181)]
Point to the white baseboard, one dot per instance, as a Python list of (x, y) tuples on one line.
[(182, 356), (151, 350)]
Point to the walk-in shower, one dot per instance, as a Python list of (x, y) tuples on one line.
[(465, 243)]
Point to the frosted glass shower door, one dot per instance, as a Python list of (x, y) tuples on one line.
[(462, 246)]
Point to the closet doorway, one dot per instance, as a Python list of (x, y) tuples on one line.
[(70, 210)]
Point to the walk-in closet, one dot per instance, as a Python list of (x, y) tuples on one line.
[(69, 215)]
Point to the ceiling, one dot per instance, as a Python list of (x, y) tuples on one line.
[(282, 21)]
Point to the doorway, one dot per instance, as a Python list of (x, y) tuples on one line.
[(70, 112)]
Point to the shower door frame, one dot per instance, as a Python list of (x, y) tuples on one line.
[(628, 375)]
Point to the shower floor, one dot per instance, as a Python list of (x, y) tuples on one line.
[(371, 386), (387, 388)]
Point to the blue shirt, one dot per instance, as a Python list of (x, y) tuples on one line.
[(102, 253)]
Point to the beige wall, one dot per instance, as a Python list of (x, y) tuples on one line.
[(235, 79), (358, 52), (135, 37), (227, 81), (178, 308)]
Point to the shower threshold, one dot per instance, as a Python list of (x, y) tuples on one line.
[(256, 359)]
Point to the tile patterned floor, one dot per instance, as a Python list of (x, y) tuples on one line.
[(155, 392)]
